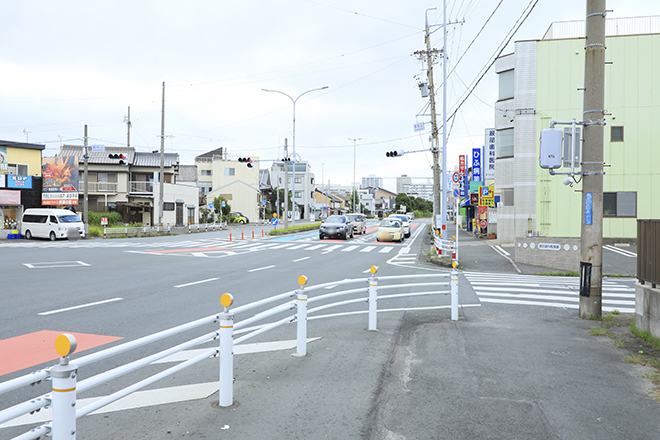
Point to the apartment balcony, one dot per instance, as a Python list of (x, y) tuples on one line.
[(141, 187), (102, 187)]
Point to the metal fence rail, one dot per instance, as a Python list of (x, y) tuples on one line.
[(62, 399), (648, 251)]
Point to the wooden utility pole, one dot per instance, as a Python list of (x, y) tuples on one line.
[(128, 127), (591, 245)]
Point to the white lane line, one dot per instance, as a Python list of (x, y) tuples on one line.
[(502, 251), (55, 264), (196, 282), (259, 347), (623, 252), (368, 249), (137, 399), (261, 268), (386, 250), (350, 248), (52, 312), (301, 259), (299, 246)]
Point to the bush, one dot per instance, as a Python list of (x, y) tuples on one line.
[(114, 218)]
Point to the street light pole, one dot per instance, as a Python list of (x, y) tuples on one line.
[(293, 219), (354, 161)]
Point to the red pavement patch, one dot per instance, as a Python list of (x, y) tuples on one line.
[(36, 348)]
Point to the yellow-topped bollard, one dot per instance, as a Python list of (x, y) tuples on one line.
[(302, 280), (227, 299), (65, 344), (373, 270)]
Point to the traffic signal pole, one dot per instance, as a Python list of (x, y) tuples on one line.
[(591, 244)]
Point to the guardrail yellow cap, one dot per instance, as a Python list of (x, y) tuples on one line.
[(227, 299), (65, 344)]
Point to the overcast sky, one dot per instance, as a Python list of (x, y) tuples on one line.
[(69, 63)]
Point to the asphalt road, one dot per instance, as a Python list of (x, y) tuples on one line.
[(509, 368)]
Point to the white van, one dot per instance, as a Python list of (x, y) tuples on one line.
[(50, 223)]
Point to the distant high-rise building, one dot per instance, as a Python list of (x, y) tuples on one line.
[(372, 181), (402, 184)]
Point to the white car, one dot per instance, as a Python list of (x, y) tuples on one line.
[(404, 220)]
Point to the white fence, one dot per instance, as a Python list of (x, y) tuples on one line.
[(65, 382)]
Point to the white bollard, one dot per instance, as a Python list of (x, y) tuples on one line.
[(301, 318), (373, 297), (226, 393), (454, 293), (64, 390)]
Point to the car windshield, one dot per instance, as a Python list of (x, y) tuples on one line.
[(400, 217), (68, 219), (391, 223), (336, 219), (353, 218)]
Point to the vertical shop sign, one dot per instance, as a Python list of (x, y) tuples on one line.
[(489, 160), (60, 180)]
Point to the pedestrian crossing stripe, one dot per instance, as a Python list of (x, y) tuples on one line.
[(546, 291)]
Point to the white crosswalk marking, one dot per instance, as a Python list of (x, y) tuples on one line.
[(350, 248), (386, 250), (368, 249), (546, 291)]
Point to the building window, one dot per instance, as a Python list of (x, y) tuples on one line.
[(230, 171), (298, 180), (168, 206), (621, 204), (17, 169), (505, 143), (506, 85), (507, 197), (298, 194), (616, 134), (206, 172)]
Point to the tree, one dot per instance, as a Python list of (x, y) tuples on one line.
[(217, 206), (272, 200), (402, 199), (357, 206)]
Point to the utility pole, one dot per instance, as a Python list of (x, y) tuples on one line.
[(128, 127), (591, 244), (286, 183), (161, 176), (85, 200)]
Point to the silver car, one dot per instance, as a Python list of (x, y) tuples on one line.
[(359, 223), (336, 226)]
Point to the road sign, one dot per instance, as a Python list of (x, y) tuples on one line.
[(210, 205), (483, 223), (263, 202), (274, 222), (456, 177), (456, 192), (98, 148), (419, 126), (223, 204)]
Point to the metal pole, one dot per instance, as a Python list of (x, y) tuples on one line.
[(591, 243), (86, 201), (286, 185), (162, 161), (373, 297), (301, 318), (354, 163), (63, 399), (454, 293), (226, 359)]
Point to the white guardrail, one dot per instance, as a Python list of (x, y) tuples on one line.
[(446, 247), (135, 231), (64, 376)]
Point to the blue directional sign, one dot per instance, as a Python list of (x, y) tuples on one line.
[(588, 208), (274, 222), (210, 205)]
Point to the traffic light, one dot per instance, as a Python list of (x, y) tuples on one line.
[(286, 159), (395, 153), (247, 160), (121, 157)]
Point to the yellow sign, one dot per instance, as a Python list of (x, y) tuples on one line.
[(483, 201), (487, 196)]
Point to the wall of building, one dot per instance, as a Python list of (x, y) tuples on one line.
[(632, 100), (25, 156)]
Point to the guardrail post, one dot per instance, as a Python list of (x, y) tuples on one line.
[(454, 292), (373, 297), (104, 232), (64, 390), (301, 318), (253, 232), (226, 393), (242, 236), (229, 234)]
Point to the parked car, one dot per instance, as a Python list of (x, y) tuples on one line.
[(51, 224), (237, 217), (359, 223), (410, 215), (390, 229), (404, 220), (336, 226)]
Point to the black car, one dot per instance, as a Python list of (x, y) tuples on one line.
[(336, 226)]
